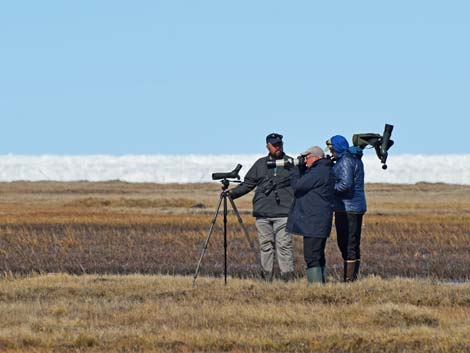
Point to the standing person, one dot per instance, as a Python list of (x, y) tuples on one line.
[(311, 214), (350, 202), (271, 203)]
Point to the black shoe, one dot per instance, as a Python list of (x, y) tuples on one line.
[(267, 276), (287, 276)]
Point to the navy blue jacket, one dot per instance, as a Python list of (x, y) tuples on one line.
[(311, 213), (349, 174)]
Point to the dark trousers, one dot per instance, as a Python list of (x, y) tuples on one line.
[(314, 251), (348, 233)]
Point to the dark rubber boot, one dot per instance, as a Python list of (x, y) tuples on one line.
[(351, 270), (314, 275), (356, 269), (323, 272)]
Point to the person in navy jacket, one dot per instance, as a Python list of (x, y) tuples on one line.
[(350, 202), (311, 213)]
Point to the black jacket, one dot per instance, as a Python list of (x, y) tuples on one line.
[(273, 195), (311, 214)]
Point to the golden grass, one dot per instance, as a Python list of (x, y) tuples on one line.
[(139, 313), (418, 231)]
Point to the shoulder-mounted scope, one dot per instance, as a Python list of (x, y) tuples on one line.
[(381, 143)]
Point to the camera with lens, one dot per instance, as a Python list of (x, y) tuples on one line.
[(286, 162), (381, 143)]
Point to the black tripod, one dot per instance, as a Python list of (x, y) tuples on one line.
[(224, 195)]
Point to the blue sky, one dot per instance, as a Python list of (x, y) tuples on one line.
[(214, 77)]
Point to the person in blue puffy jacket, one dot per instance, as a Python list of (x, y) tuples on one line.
[(350, 202)]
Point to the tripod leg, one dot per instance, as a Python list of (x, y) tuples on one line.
[(207, 240), (252, 246), (225, 237)]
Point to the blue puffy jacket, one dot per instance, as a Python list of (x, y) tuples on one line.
[(311, 213), (349, 174)]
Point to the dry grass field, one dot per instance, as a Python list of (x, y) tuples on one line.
[(416, 238), (417, 230), (137, 313)]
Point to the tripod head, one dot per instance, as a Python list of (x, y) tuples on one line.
[(226, 183)]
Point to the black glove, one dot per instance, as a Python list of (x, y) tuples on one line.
[(302, 168)]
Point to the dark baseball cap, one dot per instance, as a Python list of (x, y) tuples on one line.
[(274, 138)]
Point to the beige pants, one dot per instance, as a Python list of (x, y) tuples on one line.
[(273, 237)]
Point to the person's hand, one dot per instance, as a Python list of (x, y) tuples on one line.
[(302, 167)]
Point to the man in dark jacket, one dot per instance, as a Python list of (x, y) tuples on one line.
[(311, 213), (271, 204), (350, 202)]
